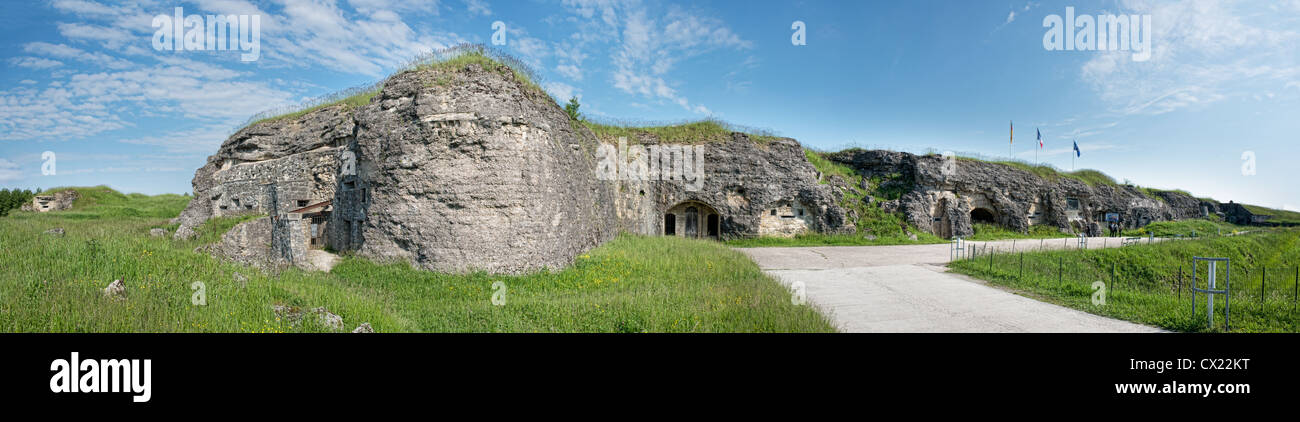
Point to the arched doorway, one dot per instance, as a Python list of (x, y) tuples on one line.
[(692, 222), (692, 219), (982, 215)]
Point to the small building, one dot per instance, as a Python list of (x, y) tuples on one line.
[(43, 203)]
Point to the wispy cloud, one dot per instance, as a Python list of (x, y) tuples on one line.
[(9, 171), (1203, 51)]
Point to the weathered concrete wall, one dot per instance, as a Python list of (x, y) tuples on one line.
[(470, 170), (743, 180), (481, 173), (59, 201), (940, 199), (299, 156)]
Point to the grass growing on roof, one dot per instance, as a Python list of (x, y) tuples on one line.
[(630, 284), (452, 58), (694, 132)]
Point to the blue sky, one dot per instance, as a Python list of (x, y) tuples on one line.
[(82, 79)]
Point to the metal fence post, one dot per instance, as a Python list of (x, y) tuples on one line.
[(1112, 275), (1060, 270), (1263, 277)]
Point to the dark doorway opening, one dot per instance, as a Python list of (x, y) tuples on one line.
[(692, 222), (981, 215), (670, 224), (713, 226)]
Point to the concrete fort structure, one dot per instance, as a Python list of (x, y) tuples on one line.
[(469, 168), (945, 195), (472, 169)]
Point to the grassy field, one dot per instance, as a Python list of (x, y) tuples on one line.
[(1151, 280), (631, 284)]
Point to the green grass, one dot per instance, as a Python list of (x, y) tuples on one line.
[(985, 231), (631, 284), (1147, 287), (818, 239), (689, 133), (1089, 177), (350, 102), (874, 225), (1187, 228), (1279, 216)]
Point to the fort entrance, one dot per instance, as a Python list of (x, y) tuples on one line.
[(983, 215), (692, 219)]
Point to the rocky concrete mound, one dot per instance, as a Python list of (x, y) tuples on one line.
[(944, 196), (470, 167)]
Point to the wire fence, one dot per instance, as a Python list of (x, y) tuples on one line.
[(1257, 291)]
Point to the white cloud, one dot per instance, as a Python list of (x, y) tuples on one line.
[(84, 8), (197, 140), (9, 171), (561, 91), (65, 52), (648, 46), (34, 62), (570, 71), (1203, 51), (478, 7), (109, 37), (1010, 18)]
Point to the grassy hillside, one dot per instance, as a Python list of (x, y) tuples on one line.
[(1151, 280), (632, 284), (1188, 228), (1279, 216)]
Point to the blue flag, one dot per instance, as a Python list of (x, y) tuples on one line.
[(1077, 153)]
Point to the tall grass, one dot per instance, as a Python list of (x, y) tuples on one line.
[(1150, 282), (631, 284), (986, 231)]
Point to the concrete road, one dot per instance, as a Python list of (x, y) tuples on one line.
[(907, 289)]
